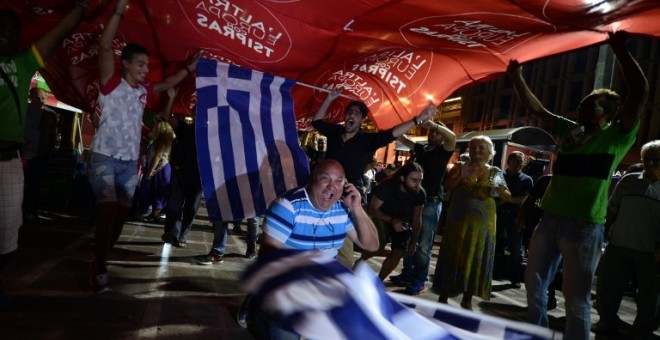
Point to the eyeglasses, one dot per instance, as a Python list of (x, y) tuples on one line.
[(330, 227)]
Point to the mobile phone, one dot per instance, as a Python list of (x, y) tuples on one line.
[(345, 191)]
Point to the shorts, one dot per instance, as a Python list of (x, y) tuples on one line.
[(386, 233), (112, 179), (11, 199)]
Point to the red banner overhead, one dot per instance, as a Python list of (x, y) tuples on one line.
[(393, 55)]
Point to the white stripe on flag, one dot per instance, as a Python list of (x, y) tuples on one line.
[(247, 146)]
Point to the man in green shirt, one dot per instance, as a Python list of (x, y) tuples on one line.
[(576, 200), (16, 70)]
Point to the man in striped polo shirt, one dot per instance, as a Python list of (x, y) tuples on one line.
[(319, 216)]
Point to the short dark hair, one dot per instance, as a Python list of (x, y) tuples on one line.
[(611, 103), (364, 110), (407, 168), (130, 50)]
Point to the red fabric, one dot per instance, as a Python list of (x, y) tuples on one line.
[(394, 55)]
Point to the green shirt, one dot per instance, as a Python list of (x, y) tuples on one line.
[(583, 170), (20, 68)]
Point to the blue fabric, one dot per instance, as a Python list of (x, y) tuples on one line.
[(220, 235), (416, 267), (247, 140), (297, 224), (310, 294)]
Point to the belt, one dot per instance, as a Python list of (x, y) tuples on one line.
[(8, 153), (433, 198)]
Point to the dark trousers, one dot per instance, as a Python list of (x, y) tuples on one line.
[(33, 175), (183, 202), (509, 235), (617, 266)]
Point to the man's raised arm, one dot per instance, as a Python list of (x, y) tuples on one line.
[(48, 44), (638, 86), (526, 96)]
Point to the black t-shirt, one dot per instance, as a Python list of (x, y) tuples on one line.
[(434, 162), (184, 153), (397, 203), (354, 154), (519, 184)]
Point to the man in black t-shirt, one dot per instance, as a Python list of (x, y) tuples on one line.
[(396, 209)]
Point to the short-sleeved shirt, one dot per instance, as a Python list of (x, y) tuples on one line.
[(354, 154), (519, 184), (636, 201), (434, 162), (583, 170), (19, 68), (397, 203), (122, 107), (297, 224)]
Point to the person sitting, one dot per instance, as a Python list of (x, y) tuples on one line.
[(315, 217)]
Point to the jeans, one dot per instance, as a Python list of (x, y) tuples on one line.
[(416, 267), (220, 234), (112, 179), (579, 244)]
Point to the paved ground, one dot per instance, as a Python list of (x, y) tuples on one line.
[(159, 291)]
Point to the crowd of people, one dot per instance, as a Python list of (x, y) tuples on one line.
[(488, 209)]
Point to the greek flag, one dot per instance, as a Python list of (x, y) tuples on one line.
[(311, 294), (247, 143)]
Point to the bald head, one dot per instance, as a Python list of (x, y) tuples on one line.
[(327, 184)]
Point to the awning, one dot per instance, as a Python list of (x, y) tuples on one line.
[(525, 135)]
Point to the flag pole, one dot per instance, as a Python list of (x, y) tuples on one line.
[(325, 90)]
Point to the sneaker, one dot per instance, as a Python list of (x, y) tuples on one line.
[(415, 288), (241, 318), (98, 281), (209, 259), (399, 280), (182, 243), (515, 285), (552, 304), (251, 251)]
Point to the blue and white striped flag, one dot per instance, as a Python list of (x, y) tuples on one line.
[(311, 294), (247, 143)]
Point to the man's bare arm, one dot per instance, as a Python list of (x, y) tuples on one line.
[(48, 44), (106, 55), (320, 114), (638, 86), (526, 96)]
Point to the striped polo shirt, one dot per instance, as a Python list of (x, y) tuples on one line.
[(297, 224)]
